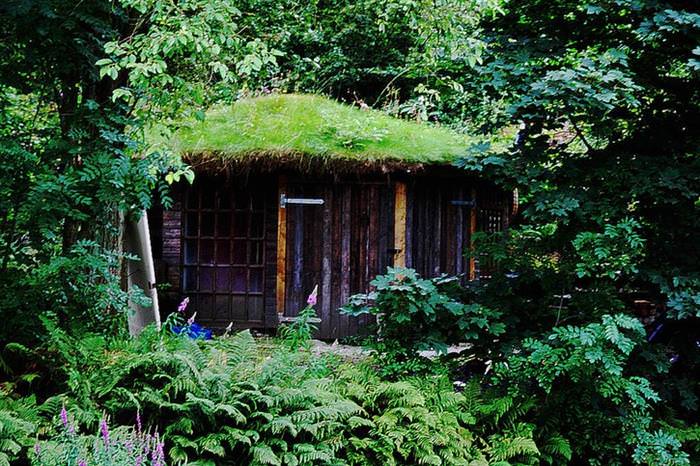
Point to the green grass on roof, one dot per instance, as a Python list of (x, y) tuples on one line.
[(309, 125)]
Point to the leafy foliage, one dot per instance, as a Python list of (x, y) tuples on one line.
[(561, 367), (17, 427), (419, 314)]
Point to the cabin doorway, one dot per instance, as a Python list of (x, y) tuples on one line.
[(339, 246), (223, 251)]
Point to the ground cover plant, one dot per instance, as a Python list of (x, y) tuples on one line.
[(598, 104)]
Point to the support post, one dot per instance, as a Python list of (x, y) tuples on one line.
[(280, 287), (137, 240), (400, 224)]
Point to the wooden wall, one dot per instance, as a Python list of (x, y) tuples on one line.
[(364, 225)]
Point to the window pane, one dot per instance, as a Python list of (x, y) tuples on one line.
[(239, 251), (223, 279), (258, 201), (239, 280), (191, 223), (225, 198), (206, 253), (192, 199), (255, 308), (242, 199), (223, 224), (240, 224), (206, 278), (207, 224), (238, 308), (256, 281), (257, 225), (205, 306), (208, 196), (190, 278), (221, 312), (190, 251), (256, 253), (223, 252)]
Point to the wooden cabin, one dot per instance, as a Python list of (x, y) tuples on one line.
[(297, 191)]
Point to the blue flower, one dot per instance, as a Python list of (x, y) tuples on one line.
[(194, 331)]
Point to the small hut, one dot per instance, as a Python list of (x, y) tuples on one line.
[(295, 191)]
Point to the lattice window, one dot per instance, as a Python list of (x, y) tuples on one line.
[(490, 221), (223, 236)]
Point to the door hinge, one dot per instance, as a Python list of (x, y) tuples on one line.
[(463, 203), (284, 200)]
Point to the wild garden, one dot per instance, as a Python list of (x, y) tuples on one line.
[(581, 347)]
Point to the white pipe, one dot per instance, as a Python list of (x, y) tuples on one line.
[(141, 274)]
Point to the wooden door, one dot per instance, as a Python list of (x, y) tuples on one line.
[(339, 246), (438, 227), (223, 251)]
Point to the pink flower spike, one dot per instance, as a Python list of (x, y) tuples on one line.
[(183, 305), (82, 463), (104, 430), (64, 416), (311, 300), (190, 321), (138, 422)]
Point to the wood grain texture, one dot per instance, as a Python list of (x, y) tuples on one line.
[(280, 287), (400, 224)]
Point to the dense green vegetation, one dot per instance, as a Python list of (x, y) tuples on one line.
[(602, 101)]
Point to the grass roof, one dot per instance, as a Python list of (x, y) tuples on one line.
[(289, 128)]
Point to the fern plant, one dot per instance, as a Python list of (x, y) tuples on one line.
[(17, 427)]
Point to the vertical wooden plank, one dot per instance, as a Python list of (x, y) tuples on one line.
[(326, 267), (410, 226), (337, 272), (400, 224), (435, 249), (297, 263), (472, 230), (280, 288), (345, 256), (271, 266), (459, 235)]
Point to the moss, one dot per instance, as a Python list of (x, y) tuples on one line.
[(287, 127)]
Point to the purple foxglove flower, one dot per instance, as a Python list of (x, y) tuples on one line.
[(37, 449), (138, 422), (82, 463), (64, 416), (104, 430), (183, 305), (190, 321), (311, 300)]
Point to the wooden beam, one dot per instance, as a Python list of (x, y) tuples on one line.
[(400, 224), (472, 230), (280, 288)]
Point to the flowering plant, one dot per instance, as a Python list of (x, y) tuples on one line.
[(299, 333), (123, 446), (190, 328)]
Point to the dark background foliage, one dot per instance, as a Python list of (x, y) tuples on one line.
[(589, 109)]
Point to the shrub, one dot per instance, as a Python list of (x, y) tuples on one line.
[(416, 314), (579, 378)]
